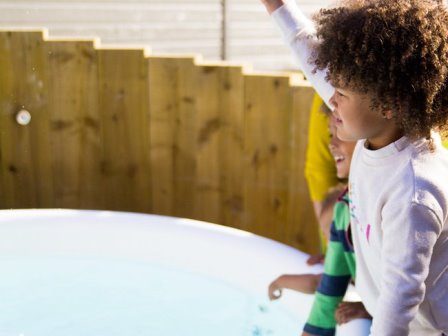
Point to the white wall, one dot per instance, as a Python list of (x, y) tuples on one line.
[(253, 36), (167, 26)]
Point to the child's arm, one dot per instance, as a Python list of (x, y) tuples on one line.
[(304, 283), (300, 35), (409, 236), (326, 214), (334, 281)]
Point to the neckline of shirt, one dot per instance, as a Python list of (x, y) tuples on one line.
[(387, 151)]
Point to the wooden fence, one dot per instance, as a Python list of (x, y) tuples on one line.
[(118, 129)]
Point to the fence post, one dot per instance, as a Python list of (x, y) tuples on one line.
[(224, 16)]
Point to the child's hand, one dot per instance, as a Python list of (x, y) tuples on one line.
[(272, 5), (316, 259), (348, 311), (274, 290)]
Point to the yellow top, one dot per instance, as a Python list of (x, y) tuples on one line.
[(445, 143), (320, 169)]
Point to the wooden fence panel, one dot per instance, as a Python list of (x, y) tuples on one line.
[(208, 192), (25, 152), (123, 101), (232, 146), (163, 83), (269, 102), (185, 140), (173, 105), (219, 153), (173, 130), (74, 124), (196, 140)]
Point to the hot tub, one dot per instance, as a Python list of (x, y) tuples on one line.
[(70, 272)]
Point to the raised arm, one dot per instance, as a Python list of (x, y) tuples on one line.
[(300, 34), (272, 5)]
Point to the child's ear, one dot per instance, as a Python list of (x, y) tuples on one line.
[(388, 114)]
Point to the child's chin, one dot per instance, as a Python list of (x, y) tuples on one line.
[(341, 174)]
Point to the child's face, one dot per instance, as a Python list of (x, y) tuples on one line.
[(342, 151), (355, 119)]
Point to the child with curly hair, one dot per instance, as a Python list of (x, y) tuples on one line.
[(383, 66)]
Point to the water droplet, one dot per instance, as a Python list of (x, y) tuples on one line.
[(256, 331), (263, 309)]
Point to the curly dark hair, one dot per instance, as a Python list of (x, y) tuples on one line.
[(395, 51)]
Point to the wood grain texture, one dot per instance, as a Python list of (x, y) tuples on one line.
[(115, 129)]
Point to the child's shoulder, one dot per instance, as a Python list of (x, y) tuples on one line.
[(430, 163), (429, 169)]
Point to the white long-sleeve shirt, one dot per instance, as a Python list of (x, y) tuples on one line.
[(399, 208)]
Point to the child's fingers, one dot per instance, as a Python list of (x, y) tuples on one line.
[(274, 292), (340, 317), (344, 308), (344, 312), (348, 311), (315, 259)]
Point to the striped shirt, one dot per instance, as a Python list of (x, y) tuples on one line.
[(339, 270)]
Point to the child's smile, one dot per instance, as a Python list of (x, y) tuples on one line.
[(340, 150)]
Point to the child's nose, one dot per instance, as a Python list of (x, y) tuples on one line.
[(332, 101)]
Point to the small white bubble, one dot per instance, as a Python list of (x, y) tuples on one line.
[(23, 117)]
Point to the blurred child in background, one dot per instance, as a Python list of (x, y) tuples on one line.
[(340, 266)]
